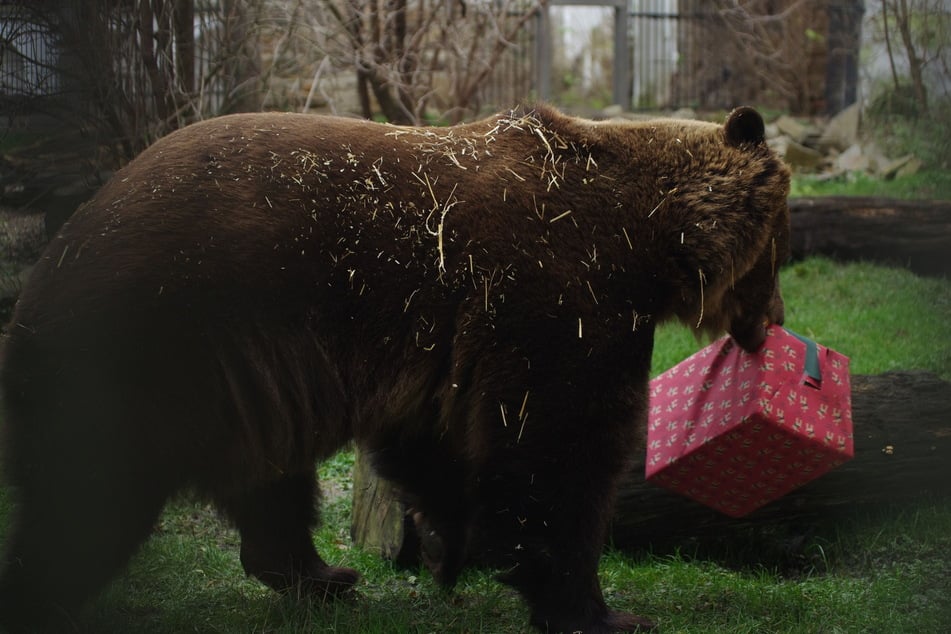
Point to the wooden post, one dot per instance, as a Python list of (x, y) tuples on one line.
[(620, 70), (543, 54)]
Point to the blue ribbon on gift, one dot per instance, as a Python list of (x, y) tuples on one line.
[(811, 369)]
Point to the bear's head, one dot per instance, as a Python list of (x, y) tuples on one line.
[(729, 225), (753, 301)]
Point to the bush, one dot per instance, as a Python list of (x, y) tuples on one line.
[(894, 101), (893, 121)]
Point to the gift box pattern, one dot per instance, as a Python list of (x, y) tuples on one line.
[(735, 430)]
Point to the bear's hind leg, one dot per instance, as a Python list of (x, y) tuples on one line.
[(275, 522)]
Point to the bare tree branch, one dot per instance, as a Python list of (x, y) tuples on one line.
[(408, 52)]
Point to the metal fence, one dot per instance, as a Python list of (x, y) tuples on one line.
[(704, 54), (28, 55), (641, 54), (655, 50), (591, 54)]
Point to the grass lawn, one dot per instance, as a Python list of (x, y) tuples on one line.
[(882, 318), (884, 572), (932, 184)]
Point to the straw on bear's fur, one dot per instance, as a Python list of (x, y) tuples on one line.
[(474, 305)]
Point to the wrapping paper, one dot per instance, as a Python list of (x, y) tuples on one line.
[(735, 430)]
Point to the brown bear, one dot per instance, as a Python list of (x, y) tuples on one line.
[(474, 306)]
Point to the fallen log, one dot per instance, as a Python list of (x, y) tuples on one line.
[(902, 453), (902, 430), (912, 233)]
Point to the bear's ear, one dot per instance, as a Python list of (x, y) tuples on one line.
[(744, 126)]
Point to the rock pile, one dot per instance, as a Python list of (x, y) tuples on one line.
[(834, 147), (826, 147)]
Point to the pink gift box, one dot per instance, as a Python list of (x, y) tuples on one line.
[(735, 430)]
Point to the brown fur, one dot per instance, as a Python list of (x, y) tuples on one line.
[(474, 305)]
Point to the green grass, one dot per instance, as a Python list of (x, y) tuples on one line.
[(702, 596), (887, 572), (875, 572), (892, 574), (882, 318), (931, 184)]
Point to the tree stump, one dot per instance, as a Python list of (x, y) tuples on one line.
[(379, 521), (902, 453), (912, 233)]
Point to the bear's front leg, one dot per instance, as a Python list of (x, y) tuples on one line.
[(275, 521)]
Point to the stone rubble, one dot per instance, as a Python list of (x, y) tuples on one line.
[(827, 147)]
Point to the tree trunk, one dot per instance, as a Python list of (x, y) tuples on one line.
[(902, 453), (911, 233), (149, 60), (243, 60), (387, 95), (843, 41), (379, 521), (354, 26), (914, 62), (184, 28)]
